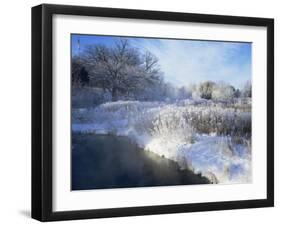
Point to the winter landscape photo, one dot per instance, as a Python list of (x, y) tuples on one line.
[(159, 112)]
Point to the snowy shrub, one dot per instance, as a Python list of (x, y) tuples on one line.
[(218, 120), (170, 124), (202, 115)]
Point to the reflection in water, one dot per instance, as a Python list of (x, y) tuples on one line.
[(106, 161)]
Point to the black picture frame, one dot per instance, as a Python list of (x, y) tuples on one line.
[(42, 107)]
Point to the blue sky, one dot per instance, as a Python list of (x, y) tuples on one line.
[(186, 62)]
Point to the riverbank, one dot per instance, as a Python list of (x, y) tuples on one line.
[(209, 137)]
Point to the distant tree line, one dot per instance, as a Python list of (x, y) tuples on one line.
[(220, 90)]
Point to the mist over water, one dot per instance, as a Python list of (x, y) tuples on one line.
[(107, 161)]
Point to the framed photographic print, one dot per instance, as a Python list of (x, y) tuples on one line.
[(146, 112)]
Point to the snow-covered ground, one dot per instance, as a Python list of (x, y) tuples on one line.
[(211, 138)]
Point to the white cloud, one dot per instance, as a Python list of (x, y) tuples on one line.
[(188, 62)]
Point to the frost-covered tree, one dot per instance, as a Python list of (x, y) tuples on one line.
[(121, 69), (184, 92), (80, 76), (223, 91), (247, 89), (169, 91), (205, 89), (237, 93), (194, 91)]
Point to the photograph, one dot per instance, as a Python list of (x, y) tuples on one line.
[(140, 112), (159, 112)]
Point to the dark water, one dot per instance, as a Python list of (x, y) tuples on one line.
[(103, 161)]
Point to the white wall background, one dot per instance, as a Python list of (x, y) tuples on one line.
[(15, 113)]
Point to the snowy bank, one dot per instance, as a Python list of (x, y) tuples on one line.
[(206, 137)]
